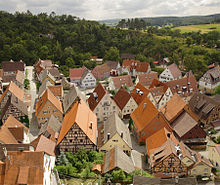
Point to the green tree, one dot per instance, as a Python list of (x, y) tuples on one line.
[(118, 175), (112, 54), (62, 160), (141, 57), (217, 90), (44, 52)]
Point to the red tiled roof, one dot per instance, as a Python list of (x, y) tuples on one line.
[(184, 87), (119, 81), (136, 64), (76, 73), (174, 70), (122, 97), (147, 78), (136, 93), (57, 90), (99, 92)]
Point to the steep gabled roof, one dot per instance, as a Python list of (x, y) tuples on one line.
[(57, 90), (210, 75), (43, 87), (136, 64), (12, 122), (96, 96), (73, 95), (115, 125), (158, 139), (147, 78), (48, 96), (116, 158), (137, 96), (81, 115), (15, 90), (43, 144), (20, 77), (122, 97), (145, 113), (76, 73), (46, 73), (6, 136), (173, 107), (174, 70), (119, 81)]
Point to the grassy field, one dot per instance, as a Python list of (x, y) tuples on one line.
[(204, 28)]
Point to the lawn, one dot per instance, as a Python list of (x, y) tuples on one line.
[(204, 28)]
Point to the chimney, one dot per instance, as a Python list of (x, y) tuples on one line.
[(145, 105), (108, 136), (122, 135), (91, 124)]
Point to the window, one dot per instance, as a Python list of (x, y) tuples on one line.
[(45, 112), (114, 140), (55, 110), (113, 107), (143, 134)]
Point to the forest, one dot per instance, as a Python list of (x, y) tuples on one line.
[(70, 42)]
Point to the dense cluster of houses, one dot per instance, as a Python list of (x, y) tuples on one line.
[(167, 114)]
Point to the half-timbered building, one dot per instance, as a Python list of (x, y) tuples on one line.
[(78, 129)]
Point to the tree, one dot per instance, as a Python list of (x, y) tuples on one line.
[(118, 175), (70, 62), (112, 54), (62, 160), (141, 57), (217, 90)]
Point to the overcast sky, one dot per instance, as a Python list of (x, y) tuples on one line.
[(109, 9)]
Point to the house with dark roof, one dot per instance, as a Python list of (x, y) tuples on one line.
[(12, 102), (113, 132), (135, 67), (125, 103), (11, 67), (147, 120), (105, 70), (46, 106), (184, 87), (210, 80), (146, 79), (206, 108), (116, 82), (78, 129), (102, 104), (170, 73)]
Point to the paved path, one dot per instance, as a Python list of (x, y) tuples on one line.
[(33, 91)]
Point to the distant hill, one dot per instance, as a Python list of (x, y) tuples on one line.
[(175, 21)]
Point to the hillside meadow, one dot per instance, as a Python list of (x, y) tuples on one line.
[(204, 28)]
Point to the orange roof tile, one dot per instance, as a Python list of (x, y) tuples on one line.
[(15, 90), (12, 122), (136, 93), (57, 90), (99, 92), (48, 96), (44, 144), (122, 81), (6, 136), (19, 164), (158, 139), (122, 97), (173, 107), (136, 64), (145, 112), (82, 116)]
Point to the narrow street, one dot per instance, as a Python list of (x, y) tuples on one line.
[(33, 128)]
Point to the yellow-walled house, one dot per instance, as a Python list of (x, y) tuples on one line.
[(202, 167), (214, 154), (101, 103), (125, 103), (45, 75), (114, 133), (48, 105)]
